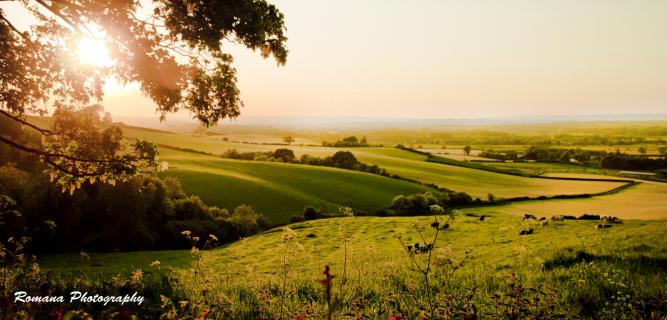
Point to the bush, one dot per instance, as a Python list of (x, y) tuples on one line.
[(344, 159), (310, 213), (413, 205), (284, 155), (246, 221)]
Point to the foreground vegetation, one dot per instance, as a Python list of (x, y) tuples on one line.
[(478, 269)]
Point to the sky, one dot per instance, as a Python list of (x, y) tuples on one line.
[(453, 59)]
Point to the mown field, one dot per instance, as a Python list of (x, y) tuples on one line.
[(647, 200)]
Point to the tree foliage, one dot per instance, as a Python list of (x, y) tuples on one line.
[(175, 51)]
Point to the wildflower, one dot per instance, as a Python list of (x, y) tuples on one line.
[(213, 237), (186, 233), (288, 234), (164, 165), (156, 264), (194, 250), (164, 301), (346, 211), (183, 304), (396, 317), (137, 275), (436, 209)]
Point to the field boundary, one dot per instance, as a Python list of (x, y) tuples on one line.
[(446, 161)]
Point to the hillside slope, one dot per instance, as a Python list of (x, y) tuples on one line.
[(281, 190)]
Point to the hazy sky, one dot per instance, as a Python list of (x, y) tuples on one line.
[(452, 59)]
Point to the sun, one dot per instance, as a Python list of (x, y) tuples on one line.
[(93, 52)]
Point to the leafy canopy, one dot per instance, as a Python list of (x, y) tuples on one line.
[(175, 50)]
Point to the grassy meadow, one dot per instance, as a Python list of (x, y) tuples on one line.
[(477, 269), (569, 267), (281, 190), (477, 183)]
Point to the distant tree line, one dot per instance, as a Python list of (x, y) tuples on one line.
[(625, 162), (603, 159), (554, 135), (351, 141)]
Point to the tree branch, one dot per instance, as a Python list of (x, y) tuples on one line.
[(78, 25), (45, 154), (26, 123), (11, 26)]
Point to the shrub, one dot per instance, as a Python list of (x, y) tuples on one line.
[(284, 155), (310, 213), (246, 221)]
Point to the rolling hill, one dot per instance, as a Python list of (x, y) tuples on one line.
[(478, 183), (281, 190)]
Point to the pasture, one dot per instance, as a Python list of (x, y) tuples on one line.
[(281, 190), (399, 162), (578, 267), (475, 182), (372, 240), (647, 200)]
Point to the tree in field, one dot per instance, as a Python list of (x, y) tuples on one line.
[(175, 51), (344, 159), (351, 140), (288, 139), (284, 155), (642, 150), (467, 150)]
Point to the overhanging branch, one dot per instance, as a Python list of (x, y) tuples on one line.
[(26, 123)]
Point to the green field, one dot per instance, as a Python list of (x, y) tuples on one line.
[(477, 183), (648, 200), (567, 269), (582, 266), (281, 190), (403, 163)]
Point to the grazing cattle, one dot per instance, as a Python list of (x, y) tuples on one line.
[(482, 217), (587, 216), (529, 217), (610, 219), (603, 226), (543, 218), (569, 218), (544, 223), (557, 218), (525, 232)]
